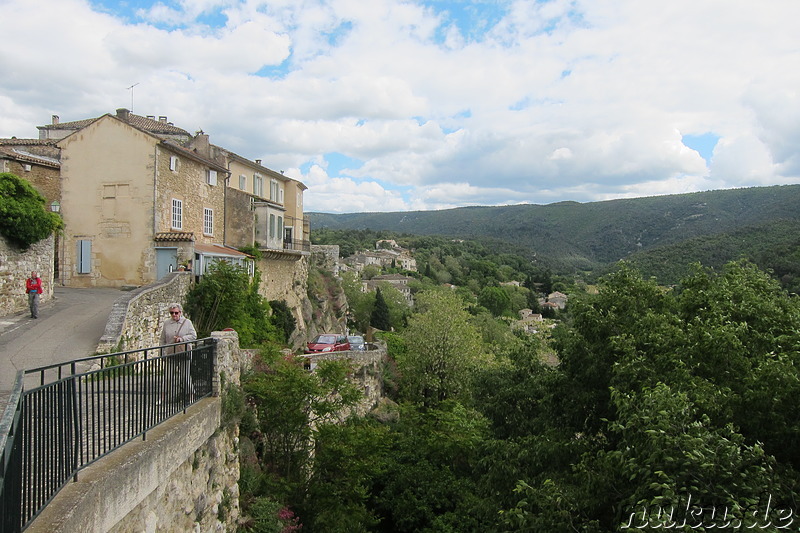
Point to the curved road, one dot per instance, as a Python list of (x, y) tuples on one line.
[(69, 326)]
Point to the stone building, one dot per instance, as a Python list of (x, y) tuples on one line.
[(134, 205)]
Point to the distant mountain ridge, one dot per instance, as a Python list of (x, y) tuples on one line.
[(572, 235)]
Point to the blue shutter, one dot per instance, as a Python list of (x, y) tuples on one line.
[(84, 261)]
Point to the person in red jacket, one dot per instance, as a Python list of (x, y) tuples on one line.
[(34, 288)]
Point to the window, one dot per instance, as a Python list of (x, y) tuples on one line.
[(83, 261), (208, 221), (273, 190), (272, 226), (280, 225), (258, 185), (243, 182), (211, 177), (173, 163), (177, 214)]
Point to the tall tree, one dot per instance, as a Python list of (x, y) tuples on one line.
[(444, 348), (290, 406), (380, 317)]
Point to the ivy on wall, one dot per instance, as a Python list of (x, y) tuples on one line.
[(24, 219)]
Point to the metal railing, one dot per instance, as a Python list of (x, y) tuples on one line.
[(63, 417), (297, 245)]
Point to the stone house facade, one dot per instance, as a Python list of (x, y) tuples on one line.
[(133, 204)]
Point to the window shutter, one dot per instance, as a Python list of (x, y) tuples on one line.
[(84, 262)]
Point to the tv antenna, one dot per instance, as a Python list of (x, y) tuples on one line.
[(131, 90)]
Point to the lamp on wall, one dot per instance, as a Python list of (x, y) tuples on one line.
[(55, 206)]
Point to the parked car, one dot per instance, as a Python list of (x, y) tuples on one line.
[(328, 342), (356, 342)]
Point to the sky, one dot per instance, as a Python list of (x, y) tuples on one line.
[(392, 105)]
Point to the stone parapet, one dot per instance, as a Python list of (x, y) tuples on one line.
[(182, 478), (367, 372), (136, 318)]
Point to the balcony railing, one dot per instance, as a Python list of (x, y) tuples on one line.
[(297, 245)]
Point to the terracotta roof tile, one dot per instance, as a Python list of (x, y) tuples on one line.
[(174, 236)]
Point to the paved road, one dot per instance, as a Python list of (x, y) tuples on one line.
[(69, 326)]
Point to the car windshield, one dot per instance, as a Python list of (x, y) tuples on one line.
[(356, 340), (325, 339)]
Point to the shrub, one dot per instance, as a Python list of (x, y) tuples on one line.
[(23, 218)]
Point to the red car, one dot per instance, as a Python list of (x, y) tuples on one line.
[(328, 342)]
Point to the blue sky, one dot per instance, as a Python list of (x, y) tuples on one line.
[(394, 105)]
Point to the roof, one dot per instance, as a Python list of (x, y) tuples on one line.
[(150, 125), (74, 125), (27, 157), (166, 236), (193, 154), (28, 142), (265, 170), (219, 249)]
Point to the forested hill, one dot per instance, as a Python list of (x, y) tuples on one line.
[(591, 235)]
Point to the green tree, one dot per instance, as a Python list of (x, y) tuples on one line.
[(24, 220), (283, 319), (396, 303), (380, 317), (495, 299), (227, 297), (646, 407), (290, 406), (443, 349), (427, 483), (348, 459), (359, 303)]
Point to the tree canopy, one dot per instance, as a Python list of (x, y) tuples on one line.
[(24, 219)]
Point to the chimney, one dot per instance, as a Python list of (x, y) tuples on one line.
[(201, 144), (123, 114), (151, 117), (55, 119), (258, 161), (162, 118)]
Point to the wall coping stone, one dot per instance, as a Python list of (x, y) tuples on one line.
[(109, 489)]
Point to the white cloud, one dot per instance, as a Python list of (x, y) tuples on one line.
[(560, 100)]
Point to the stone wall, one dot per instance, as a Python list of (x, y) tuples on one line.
[(239, 218), (16, 266), (135, 320), (326, 257), (367, 372), (287, 280)]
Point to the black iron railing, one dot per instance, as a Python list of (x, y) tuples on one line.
[(297, 245), (63, 417)]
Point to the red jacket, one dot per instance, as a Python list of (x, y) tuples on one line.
[(33, 285)]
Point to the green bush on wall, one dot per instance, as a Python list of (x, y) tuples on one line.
[(24, 220)]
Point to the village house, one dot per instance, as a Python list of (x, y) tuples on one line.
[(384, 258), (528, 321), (397, 281)]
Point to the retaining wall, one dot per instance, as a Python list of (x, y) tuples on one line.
[(136, 317)]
